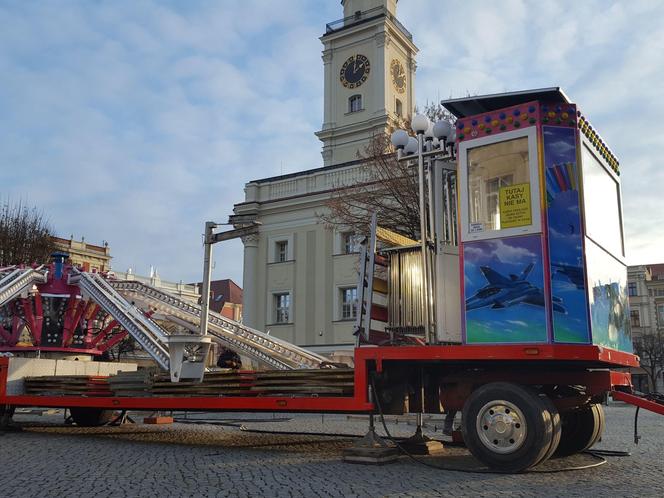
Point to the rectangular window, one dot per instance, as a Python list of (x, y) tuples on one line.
[(499, 194), (282, 308), (281, 253), (399, 108), (355, 103), (660, 315), (634, 318), (348, 303), (349, 243), (631, 288), (602, 205)]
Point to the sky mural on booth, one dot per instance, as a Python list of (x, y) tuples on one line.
[(503, 287)]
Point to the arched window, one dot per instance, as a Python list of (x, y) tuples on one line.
[(355, 103), (398, 108)]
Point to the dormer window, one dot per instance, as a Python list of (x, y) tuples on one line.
[(355, 103)]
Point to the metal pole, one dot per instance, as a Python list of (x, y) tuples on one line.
[(207, 270), (423, 237)]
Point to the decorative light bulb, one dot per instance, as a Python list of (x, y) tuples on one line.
[(420, 123), (400, 139), (411, 146), (442, 129)]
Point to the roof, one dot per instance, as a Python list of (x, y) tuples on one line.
[(656, 269), (469, 106), (222, 292)]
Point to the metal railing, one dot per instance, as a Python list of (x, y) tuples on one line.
[(13, 282), (269, 350), (365, 16), (151, 337)]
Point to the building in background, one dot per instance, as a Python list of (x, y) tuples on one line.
[(90, 257), (299, 277), (189, 292), (225, 298), (645, 287)]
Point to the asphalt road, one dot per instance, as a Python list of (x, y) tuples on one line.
[(48, 458)]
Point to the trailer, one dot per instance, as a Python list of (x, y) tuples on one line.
[(512, 308)]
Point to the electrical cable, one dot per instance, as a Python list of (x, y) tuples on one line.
[(601, 461)]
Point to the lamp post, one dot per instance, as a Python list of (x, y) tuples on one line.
[(431, 141)]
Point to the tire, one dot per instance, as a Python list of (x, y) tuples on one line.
[(581, 429), (507, 426), (557, 426), (90, 417)]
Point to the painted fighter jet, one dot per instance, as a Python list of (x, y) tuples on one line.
[(502, 292), (573, 273)]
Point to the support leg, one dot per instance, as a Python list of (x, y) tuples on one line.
[(371, 449)]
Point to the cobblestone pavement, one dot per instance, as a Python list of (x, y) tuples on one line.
[(50, 459)]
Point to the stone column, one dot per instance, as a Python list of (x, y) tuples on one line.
[(250, 281)]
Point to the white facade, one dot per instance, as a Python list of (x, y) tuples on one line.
[(299, 275)]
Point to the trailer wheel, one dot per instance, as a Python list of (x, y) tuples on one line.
[(90, 417), (507, 426), (557, 426), (582, 428)]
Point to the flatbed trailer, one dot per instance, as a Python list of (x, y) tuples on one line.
[(512, 308), (540, 365), (559, 383)]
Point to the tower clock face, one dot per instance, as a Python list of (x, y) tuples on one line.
[(398, 75), (355, 71)]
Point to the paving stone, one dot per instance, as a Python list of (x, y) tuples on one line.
[(51, 459)]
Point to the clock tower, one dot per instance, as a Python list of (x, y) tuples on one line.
[(369, 61)]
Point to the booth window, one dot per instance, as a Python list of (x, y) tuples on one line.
[(602, 205), (355, 103), (499, 193)]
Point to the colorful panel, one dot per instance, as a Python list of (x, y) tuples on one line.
[(609, 305), (568, 286), (503, 287)]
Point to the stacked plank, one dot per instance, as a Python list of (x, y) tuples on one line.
[(327, 382), (138, 383), (67, 385)]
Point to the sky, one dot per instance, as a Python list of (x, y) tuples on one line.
[(135, 121)]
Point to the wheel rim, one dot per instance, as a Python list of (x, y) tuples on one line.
[(501, 426)]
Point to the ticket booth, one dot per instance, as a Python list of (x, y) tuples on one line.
[(541, 251)]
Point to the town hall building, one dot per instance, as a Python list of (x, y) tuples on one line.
[(300, 277)]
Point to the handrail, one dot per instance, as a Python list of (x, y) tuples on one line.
[(258, 345), (148, 334), (17, 281)]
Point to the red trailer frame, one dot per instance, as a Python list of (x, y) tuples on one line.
[(547, 364)]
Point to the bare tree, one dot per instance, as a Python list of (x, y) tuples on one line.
[(25, 235), (650, 348), (382, 185)]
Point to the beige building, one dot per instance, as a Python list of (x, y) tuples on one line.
[(299, 277), (645, 286), (90, 257)]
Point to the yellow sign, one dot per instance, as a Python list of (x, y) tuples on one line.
[(515, 206)]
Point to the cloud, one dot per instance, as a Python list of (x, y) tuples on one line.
[(135, 122)]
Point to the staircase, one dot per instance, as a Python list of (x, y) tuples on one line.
[(268, 350), (184, 355), (16, 281)]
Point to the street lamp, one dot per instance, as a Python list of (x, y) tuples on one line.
[(431, 141)]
